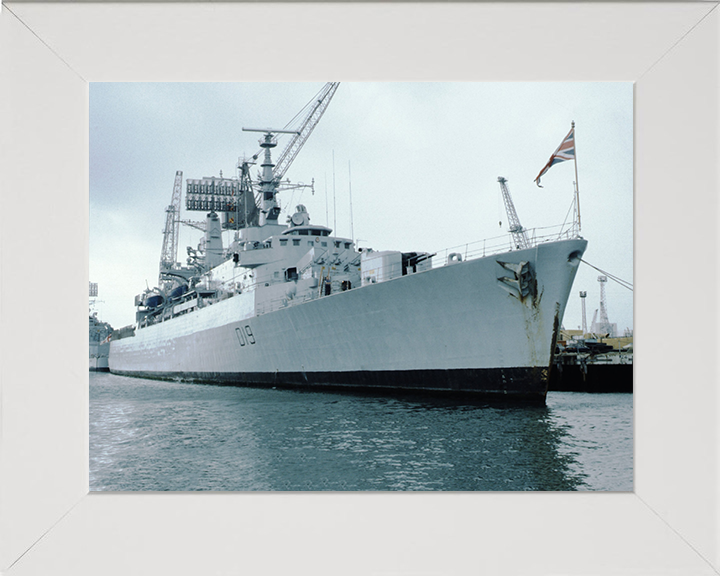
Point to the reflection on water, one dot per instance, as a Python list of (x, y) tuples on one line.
[(147, 435)]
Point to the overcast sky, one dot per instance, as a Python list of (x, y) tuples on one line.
[(424, 159)]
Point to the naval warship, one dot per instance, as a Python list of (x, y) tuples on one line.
[(99, 335), (99, 343), (293, 305)]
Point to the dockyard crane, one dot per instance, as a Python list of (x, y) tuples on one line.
[(168, 256), (272, 174), (315, 109), (518, 232), (198, 225), (603, 326)]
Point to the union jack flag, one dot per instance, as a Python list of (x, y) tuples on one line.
[(566, 151)]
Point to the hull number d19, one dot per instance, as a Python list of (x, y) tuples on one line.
[(245, 335)]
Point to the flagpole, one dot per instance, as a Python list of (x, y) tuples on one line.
[(577, 186)]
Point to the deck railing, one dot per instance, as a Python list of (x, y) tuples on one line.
[(504, 243)]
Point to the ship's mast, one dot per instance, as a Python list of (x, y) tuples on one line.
[(272, 174), (234, 198), (269, 207)]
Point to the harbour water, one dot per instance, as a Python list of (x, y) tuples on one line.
[(159, 436)]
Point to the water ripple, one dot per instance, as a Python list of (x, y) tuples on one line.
[(149, 435)]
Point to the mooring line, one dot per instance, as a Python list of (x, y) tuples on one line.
[(623, 283)]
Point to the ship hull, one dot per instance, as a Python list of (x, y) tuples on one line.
[(517, 383), (99, 357), (452, 329)]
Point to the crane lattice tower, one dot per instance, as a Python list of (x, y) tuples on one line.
[(518, 232), (168, 256)]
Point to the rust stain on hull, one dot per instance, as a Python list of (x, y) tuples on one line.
[(553, 343)]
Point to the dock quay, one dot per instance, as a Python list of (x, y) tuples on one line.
[(592, 364)]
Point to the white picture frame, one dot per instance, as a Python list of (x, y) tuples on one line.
[(48, 521)]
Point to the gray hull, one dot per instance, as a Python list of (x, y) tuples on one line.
[(463, 328), (99, 357)]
